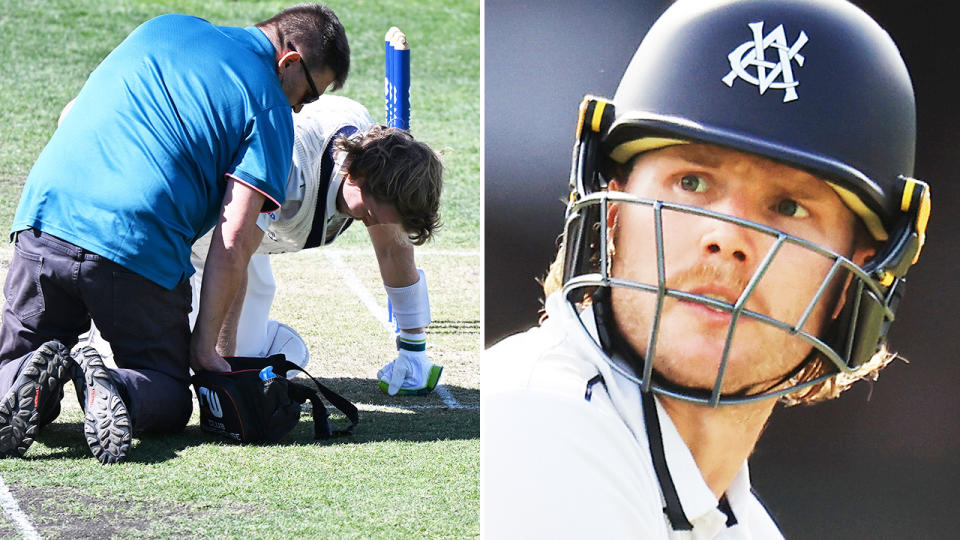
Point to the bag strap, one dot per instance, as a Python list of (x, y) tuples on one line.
[(302, 393), (321, 420)]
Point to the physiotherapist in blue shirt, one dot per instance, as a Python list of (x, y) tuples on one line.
[(184, 127)]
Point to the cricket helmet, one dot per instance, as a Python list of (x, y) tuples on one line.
[(815, 84)]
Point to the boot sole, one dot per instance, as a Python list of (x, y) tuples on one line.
[(40, 378), (106, 422)]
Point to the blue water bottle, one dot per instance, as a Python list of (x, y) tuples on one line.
[(267, 373)]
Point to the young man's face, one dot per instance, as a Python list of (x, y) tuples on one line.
[(360, 205), (717, 259)]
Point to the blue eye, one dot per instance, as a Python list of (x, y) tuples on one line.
[(694, 183), (791, 208)]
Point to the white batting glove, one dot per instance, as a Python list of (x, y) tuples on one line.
[(411, 373)]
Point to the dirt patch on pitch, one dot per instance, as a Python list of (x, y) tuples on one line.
[(68, 512)]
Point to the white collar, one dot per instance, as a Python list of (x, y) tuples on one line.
[(697, 499), (339, 177)]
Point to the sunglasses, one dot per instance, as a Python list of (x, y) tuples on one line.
[(314, 94)]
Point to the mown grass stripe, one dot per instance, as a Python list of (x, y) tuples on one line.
[(420, 252)]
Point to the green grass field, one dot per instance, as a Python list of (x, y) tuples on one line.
[(412, 467)]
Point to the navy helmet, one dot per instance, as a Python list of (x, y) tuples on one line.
[(815, 84)]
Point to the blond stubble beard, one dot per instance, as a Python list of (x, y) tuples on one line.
[(775, 347)]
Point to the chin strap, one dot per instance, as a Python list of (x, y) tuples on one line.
[(612, 342), (673, 509)]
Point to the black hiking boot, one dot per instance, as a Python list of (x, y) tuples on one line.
[(36, 390), (106, 422)]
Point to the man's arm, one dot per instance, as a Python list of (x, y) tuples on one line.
[(235, 238), (395, 258), (411, 373), (227, 341)]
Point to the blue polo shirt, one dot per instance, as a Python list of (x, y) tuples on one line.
[(136, 171)]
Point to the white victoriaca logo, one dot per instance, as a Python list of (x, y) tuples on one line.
[(753, 53), (211, 400)]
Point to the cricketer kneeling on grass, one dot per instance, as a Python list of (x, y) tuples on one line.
[(160, 148), (346, 168)]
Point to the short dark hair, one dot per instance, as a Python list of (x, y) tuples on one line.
[(316, 33), (394, 168)]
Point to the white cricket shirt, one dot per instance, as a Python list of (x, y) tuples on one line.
[(315, 126), (556, 465)]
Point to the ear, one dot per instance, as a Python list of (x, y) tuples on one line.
[(613, 209), (862, 255), (287, 58)]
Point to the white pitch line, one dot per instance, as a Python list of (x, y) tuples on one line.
[(350, 278), (378, 312), (393, 406), (447, 397), (12, 509)]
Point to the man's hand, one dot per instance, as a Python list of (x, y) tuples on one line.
[(207, 361), (405, 368), (411, 373)]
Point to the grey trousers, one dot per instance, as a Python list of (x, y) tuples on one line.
[(53, 290)]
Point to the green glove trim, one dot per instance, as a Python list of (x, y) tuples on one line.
[(415, 346), (432, 379)]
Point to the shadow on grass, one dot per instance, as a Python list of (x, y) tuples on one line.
[(411, 419)]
